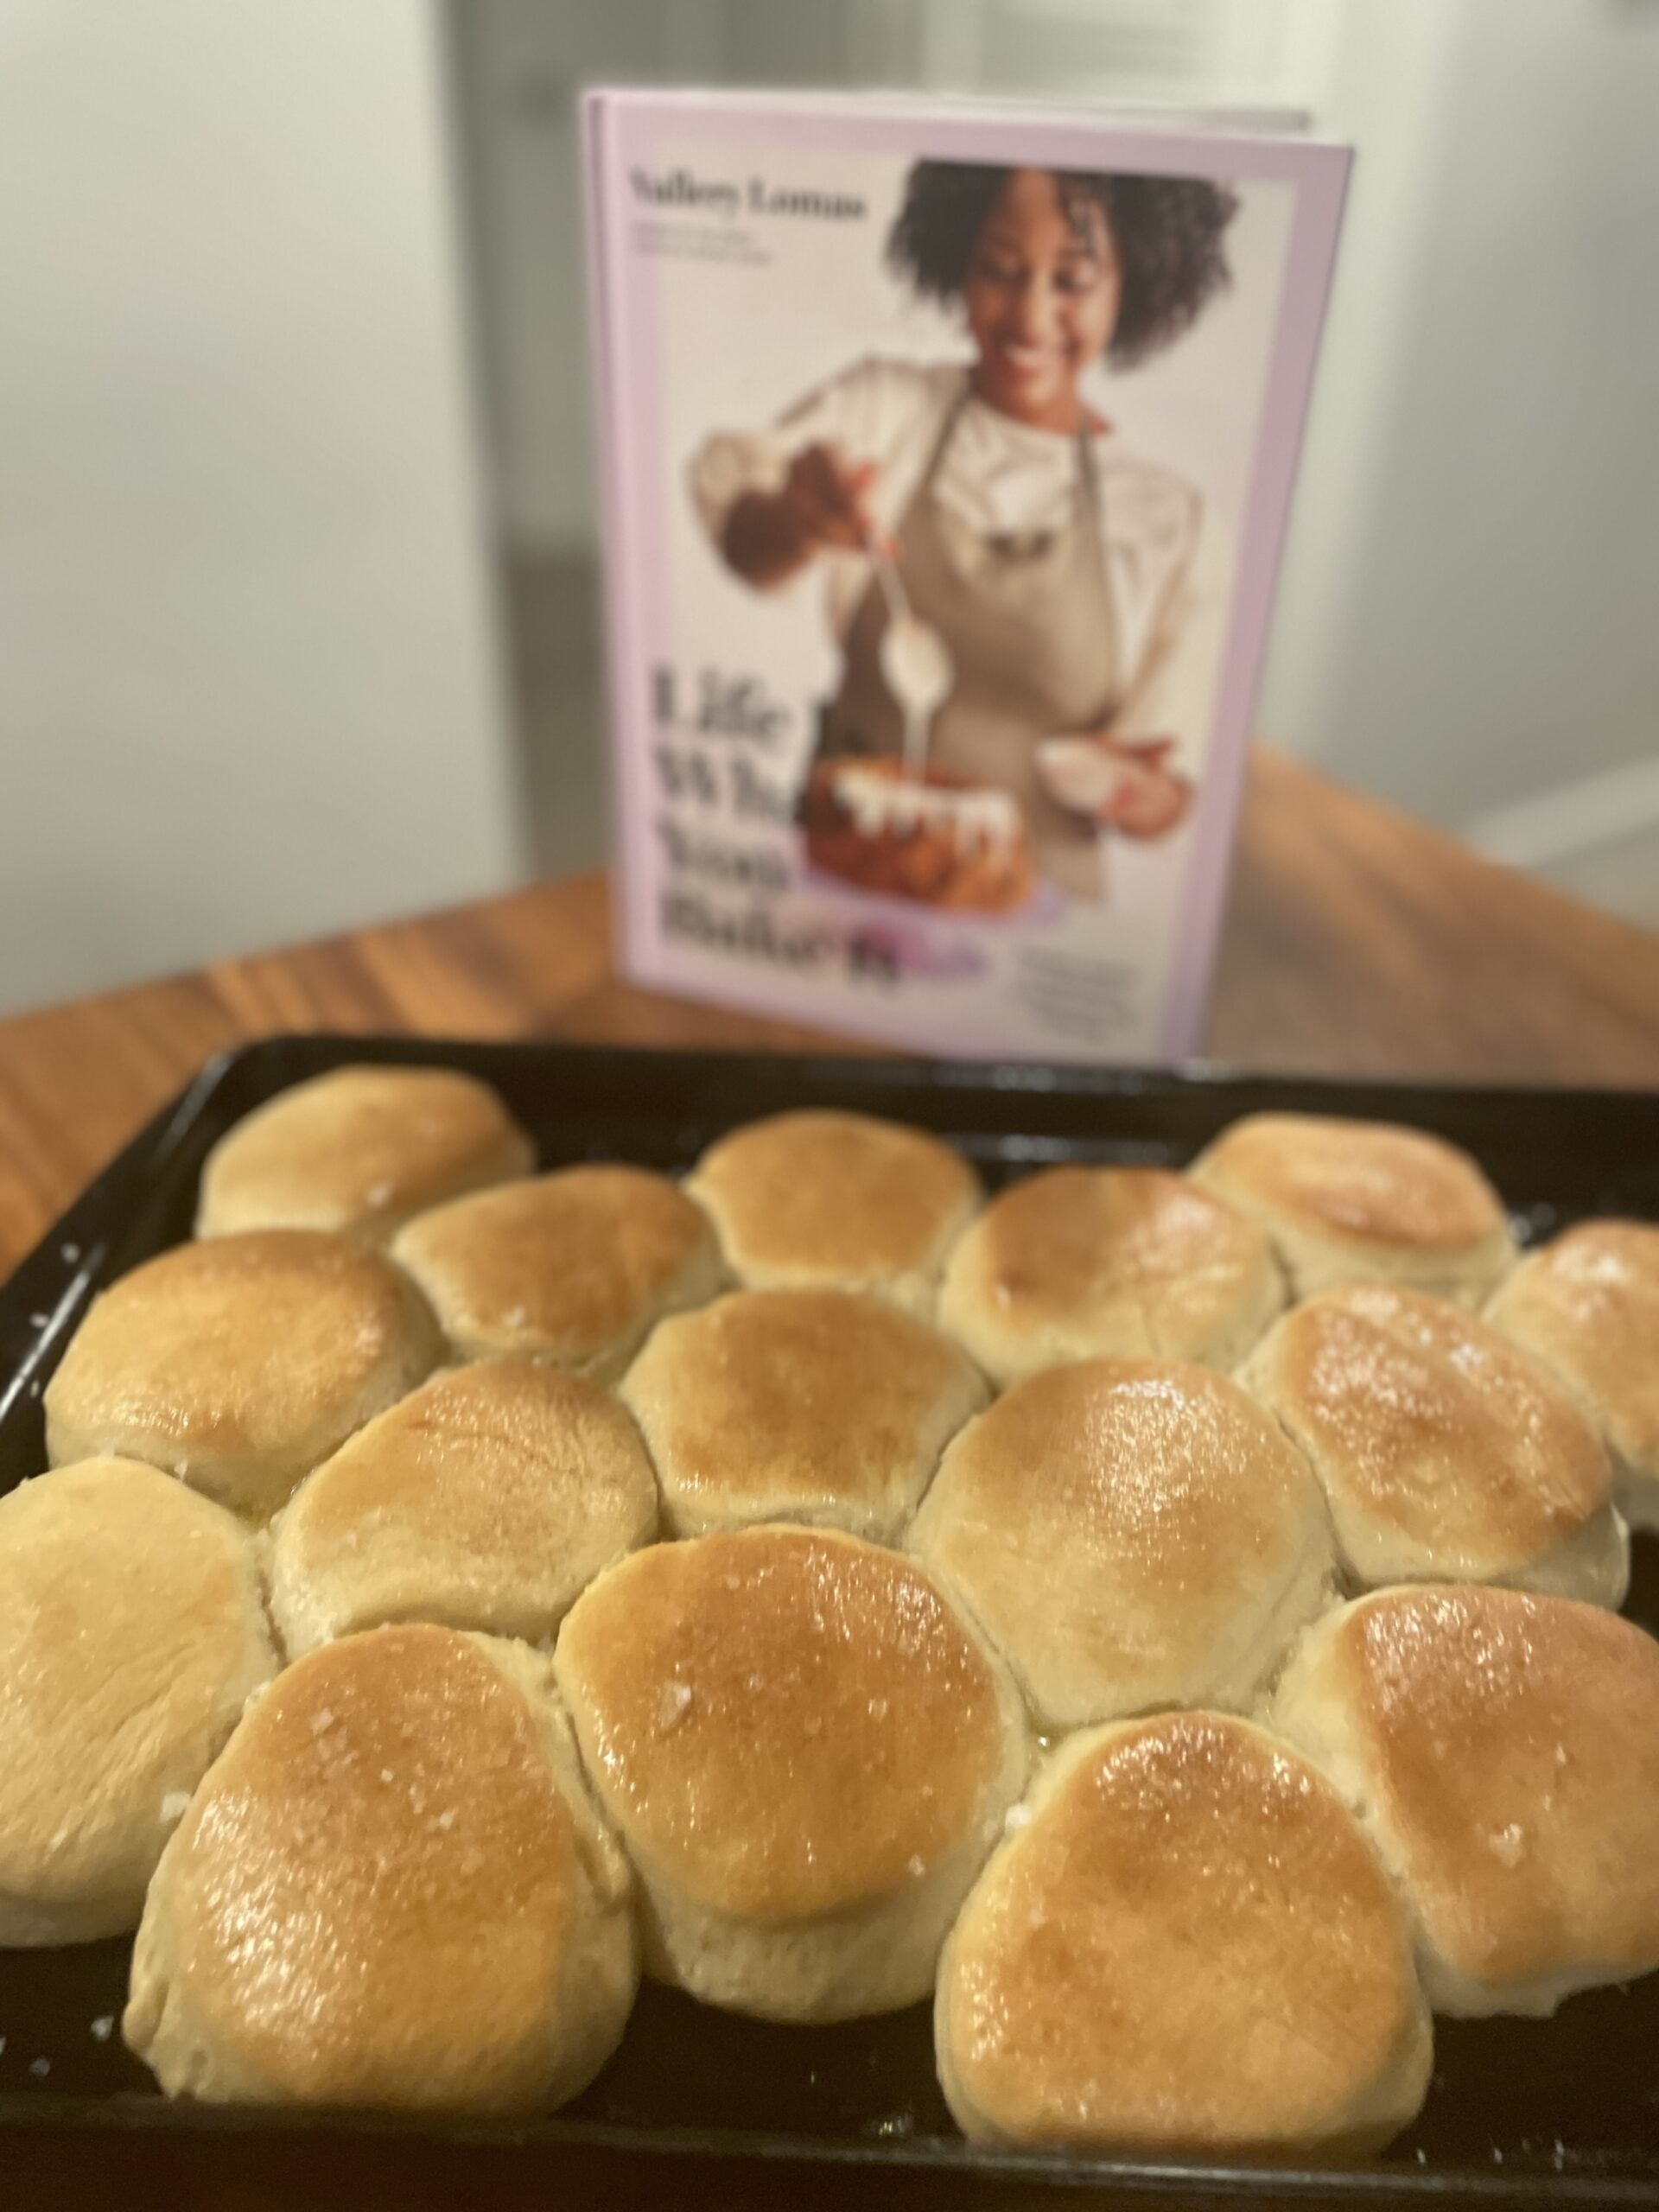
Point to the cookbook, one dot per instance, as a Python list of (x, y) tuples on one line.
[(946, 456)]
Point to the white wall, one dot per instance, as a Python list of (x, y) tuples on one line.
[(1468, 619), (248, 678), (521, 64)]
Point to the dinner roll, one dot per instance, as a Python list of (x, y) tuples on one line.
[(359, 1150), (808, 1753), (1076, 1260), (573, 1267), (1357, 1201), (842, 1201), (1446, 1454), (798, 1404), (238, 1364), (390, 1890), (131, 1631), (1503, 1749), (1129, 1533), (1588, 1303), (486, 1499), (1186, 1945)]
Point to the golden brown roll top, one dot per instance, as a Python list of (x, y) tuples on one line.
[(1076, 1261), (1129, 1534), (575, 1267), (132, 1631), (820, 1406), (815, 1200), (1447, 1453), (1350, 1201), (239, 1363), (807, 1752), (487, 1499), (1587, 1303), (1503, 1750), (1184, 1946), (358, 1150), (390, 1890)]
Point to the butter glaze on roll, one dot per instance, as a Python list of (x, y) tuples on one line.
[(807, 1752), (1446, 1453), (820, 1200), (487, 1499), (1129, 1533), (1184, 1947), (575, 1267), (358, 1151), (1587, 1303), (392, 1891), (131, 1633), (818, 1406), (1076, 1261), (239, 1363), (1503, 1749), (1348, 1201)]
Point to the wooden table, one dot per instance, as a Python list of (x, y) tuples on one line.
[(1356, 942)]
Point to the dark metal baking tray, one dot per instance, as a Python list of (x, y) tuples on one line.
[(1557, 2111)]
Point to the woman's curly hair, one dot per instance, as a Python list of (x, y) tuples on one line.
[(1168, 229)]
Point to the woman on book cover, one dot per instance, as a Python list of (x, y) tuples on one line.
[(1077, 589)]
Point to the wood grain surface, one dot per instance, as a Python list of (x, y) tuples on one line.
[(1356, 942)]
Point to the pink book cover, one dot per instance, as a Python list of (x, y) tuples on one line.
[(947, 451)]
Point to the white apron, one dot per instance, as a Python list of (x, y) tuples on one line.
[(1028, 621)]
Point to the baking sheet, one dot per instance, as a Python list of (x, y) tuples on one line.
[(1562, 2110)]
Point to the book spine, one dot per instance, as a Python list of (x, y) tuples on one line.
[(604, 341)]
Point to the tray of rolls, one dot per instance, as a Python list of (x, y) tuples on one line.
[(1010, 1626)]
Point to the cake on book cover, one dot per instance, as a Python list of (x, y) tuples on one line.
[(947, 452)]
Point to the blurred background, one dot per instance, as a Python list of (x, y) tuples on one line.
[(298, 596)]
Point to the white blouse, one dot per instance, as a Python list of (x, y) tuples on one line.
[(1165, 565)]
